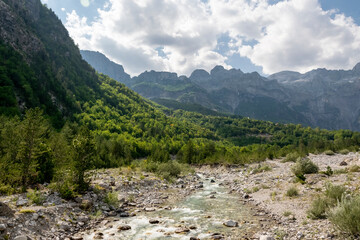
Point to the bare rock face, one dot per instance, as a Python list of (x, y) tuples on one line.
[(5, 210), (13, 30)]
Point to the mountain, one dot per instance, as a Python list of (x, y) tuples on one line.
[(104, 65), (320, 98)]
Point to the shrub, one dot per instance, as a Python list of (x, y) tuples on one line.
[(346, 216), (287, 213), (334, 193), (6, 189), (329, 171), (344, 151), (329, 152), (291, 157), (304, 166), (354, 168), (36, 197), (261, 168), (111, 198), (318, 208), (292, 192)]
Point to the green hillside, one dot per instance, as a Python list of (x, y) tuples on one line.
[(60, 118)]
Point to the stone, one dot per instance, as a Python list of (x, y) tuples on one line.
[(343, 163), (212, 196), (266, 237), (212, 180), (154, 221), (194, 238), (86, 204), (124, 227), (246, 196), (22, 237), (5, 211), (83, 219), (21, 202), (2, 227), (231, 223), (124, 214), (182, 230), (149, 209)]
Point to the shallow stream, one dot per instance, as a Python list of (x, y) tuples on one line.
[(198, 211)]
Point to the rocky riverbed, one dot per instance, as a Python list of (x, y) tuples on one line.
[(216, 202)]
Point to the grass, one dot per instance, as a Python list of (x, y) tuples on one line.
[(27, 211), (292, 192), (261, 168), (287, 213), (318, 208), (354, 168)]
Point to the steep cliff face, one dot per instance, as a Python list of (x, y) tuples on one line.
[(328, 98), (14, 30), (103, 65)]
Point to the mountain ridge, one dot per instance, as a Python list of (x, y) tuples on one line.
[(315, 98)]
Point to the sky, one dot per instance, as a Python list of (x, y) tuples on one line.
[(266, 36)]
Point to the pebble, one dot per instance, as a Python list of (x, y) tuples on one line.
[(231, 223), (2, 227), (154, 221)]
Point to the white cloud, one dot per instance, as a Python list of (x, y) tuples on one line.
[(290, 35)]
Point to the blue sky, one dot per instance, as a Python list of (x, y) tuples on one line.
[(252, 35)]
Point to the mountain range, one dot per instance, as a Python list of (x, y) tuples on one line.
[(319, 98)]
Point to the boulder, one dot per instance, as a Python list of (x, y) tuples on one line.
[(231, 223), (5, 210), (124, 227), (154, 221)]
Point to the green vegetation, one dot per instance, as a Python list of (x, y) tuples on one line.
[(111, 198), (329, 152), (35, 197), (292, 192), (346, 215), (322, 204), (304, 166)]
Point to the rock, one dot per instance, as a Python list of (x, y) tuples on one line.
[(194, 238), (21, 202), (246, 196), (22, 237), (212, 196), (266, 237), (124, 214), (212, 180), (154, 221), (149, 209), (199, 186), (124, 227), (99, 236), (231, 223), (299, 235), (182, 230), (343, 163), (5, 211), (192, 227), (83, 219), (2, 227), (217, 236)]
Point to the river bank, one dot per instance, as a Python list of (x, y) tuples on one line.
[(252, 202)]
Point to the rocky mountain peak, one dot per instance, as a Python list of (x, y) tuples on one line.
[(357, 68)]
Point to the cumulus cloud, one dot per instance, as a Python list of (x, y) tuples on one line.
[(289, 35)]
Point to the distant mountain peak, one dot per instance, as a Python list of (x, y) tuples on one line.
[(357, 68)]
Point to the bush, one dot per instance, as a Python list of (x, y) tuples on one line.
[(304, 166), (111, 198), (329, 152), (329, 171), (36, 197), (344, 151), (318, 208), (291, 157), (6, 189), (261, 168), (346, 216), (354, 168), (334, 193), (292, 192)]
